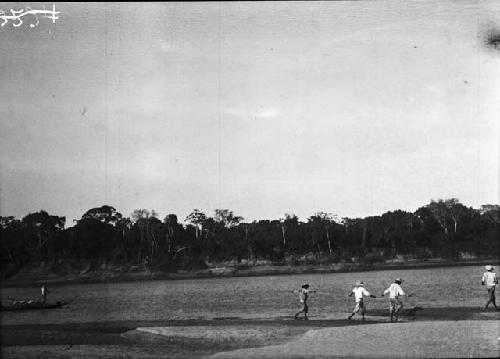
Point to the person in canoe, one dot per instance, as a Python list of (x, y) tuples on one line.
[(44, 291)]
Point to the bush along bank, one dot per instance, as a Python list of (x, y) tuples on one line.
[(144, 242)]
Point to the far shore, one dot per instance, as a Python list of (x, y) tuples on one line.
[(110, 276)]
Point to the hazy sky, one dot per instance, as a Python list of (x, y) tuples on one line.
[(354, 108)]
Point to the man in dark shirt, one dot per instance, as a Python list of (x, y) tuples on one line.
[(303, 294)]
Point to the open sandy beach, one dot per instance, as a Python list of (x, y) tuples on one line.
[(413, 340), (463, 334)]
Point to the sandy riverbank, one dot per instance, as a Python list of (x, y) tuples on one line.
[(445, 334), (391, 340)]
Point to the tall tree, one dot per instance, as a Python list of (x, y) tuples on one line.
[(142, 218), (286, 222), (171, 226), (12, 247), (441, 213), (196, 218), (448, 212), (227, 218), (491, 213), (44, 227), (325, 221), (105, 214), (457, 211)]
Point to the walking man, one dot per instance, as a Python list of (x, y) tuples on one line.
[(395, 291), (359, 291), (303, 294), (490, 280)]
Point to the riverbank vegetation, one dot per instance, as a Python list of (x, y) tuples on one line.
[(145, 240)]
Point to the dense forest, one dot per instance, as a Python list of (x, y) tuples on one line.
[(442, 228)]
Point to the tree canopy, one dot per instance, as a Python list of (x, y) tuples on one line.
[(444, 228)]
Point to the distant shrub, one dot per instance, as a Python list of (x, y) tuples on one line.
[(310, 259), (263, 262), (243, 264), (329, 258), (292, 260), (374, 258), (423, 253), (466, 255)]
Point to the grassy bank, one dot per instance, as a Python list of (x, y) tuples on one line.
[(36, 274)]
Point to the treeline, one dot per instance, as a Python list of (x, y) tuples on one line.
[(443, 228)]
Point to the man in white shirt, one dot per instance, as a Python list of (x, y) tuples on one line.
[(395, 291), (490, 280), (359, 291)]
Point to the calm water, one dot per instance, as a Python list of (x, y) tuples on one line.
[(252, 298)]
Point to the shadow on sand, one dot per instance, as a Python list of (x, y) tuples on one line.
[(441, 313), (110, 332)]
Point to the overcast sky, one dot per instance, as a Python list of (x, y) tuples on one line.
[(354, 108)]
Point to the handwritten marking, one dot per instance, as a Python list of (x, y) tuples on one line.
[(16, 16)]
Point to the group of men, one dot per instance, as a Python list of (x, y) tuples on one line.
[(395, 292), (359, 292)]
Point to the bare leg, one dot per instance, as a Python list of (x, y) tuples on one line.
[(356, 310), (392, 309), (491, 299), (398, 308), (303, 310), (297, 314)]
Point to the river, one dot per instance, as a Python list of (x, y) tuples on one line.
[(267, 297)]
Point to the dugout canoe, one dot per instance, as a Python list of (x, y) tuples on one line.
[(31, 306)]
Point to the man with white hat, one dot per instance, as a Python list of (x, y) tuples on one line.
[(490, 280), (359, 291), (395, 291)]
